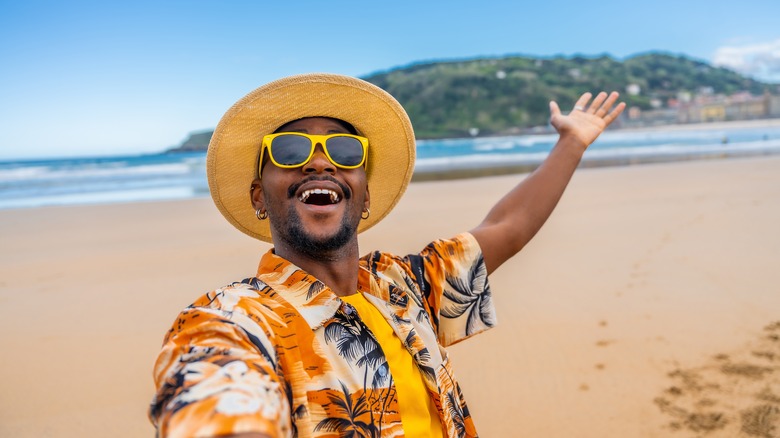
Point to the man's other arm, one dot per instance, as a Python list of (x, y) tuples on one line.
[(519, 215)]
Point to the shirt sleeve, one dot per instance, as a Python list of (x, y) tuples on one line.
[(452, 279), (216, 374)]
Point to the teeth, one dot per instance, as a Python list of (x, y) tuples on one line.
[(334, 197)]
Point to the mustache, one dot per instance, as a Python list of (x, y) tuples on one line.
[(294, 188)]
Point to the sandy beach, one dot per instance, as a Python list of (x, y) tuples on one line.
[(648, 306)]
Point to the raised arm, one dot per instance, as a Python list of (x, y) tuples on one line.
[(517, 217)]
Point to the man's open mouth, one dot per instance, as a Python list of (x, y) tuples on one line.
[(319, 197)]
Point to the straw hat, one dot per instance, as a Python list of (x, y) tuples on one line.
[(234, 147)]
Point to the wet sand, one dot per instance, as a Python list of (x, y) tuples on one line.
[(647, 306)]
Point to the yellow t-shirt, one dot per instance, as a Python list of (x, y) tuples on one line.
[(418, 413)]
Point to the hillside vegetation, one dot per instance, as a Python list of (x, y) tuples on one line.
[(507, 94), (446, 99)]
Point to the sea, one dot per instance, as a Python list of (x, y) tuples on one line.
[(171, 176)]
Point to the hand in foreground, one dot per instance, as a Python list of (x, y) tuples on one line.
[(586, 122)]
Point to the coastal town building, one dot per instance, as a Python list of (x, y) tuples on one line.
[(707, 107)]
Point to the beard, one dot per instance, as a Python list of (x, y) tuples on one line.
[(291, 230), (297, 237), (317, 247)]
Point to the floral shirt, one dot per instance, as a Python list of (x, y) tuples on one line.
[(281, 354)]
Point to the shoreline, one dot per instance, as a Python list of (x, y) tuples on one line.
[(168, 177), (470, 172), (455, 171), (459, 171), (467, 172)]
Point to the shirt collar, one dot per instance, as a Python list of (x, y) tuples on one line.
[(315, 301)]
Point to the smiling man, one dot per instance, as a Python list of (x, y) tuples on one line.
[(321, 341)]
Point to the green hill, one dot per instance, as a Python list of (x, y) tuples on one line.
[(507, 94), (195, 142), (495, 95)]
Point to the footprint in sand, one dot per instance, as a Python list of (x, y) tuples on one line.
[(760, 420), (768, 355), (731, 395)]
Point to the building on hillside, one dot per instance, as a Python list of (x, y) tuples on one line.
[(711, 112), (773, 106), (744, 106), (656, 117), (709, 108)]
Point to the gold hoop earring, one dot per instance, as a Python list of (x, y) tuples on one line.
[(261, 215), (365, 215)]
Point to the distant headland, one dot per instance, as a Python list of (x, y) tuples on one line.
[(509, 95)]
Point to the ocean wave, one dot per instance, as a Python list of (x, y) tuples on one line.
[(87, 172), (102, 197), (178, 176), (23, 173), (666, 149)]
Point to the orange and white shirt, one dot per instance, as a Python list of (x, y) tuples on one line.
[(281, 354)]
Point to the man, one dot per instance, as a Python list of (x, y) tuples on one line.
[(322, 342)]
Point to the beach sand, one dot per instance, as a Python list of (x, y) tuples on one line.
[(648, 305)]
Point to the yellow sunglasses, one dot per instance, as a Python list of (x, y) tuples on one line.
[(289, 150)]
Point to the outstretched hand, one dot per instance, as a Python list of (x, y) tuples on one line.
[(586, 122)]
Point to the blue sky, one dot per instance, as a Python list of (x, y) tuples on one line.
[(97, 78)]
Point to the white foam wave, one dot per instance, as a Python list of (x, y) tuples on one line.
[(667, 149), (106, 197), (23, 173), (476, 161), (47, 173)]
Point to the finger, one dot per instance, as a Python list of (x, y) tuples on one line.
[(596, 104), (582, 102), (554, 109), (613, 97), (609, 118)]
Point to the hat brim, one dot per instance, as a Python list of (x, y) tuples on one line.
[(234, 146)]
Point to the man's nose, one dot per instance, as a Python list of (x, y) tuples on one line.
[(319, 162)]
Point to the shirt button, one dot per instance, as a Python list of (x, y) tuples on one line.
[(348, 309), (382, 371)]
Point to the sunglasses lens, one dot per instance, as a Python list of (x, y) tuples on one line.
[(290, 150), (346, 151)]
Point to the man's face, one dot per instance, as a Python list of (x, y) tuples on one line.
[(309, 222)]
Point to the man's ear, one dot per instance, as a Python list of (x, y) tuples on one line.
[(367, 200), (258, 201)]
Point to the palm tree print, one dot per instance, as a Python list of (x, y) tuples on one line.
[(456, 413), (351, 409), (357, 345), (470, 295), (315, 288)]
